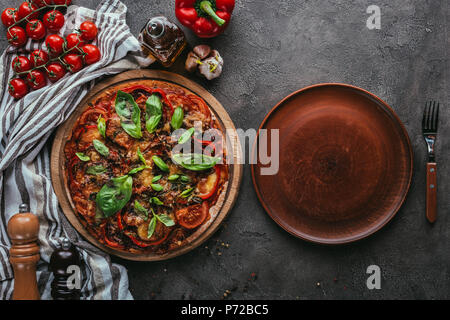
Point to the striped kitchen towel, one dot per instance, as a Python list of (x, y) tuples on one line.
[(25, 128)]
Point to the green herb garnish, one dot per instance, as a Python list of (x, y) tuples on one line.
[(96, 170), (156, 179), (177, 118), (186, 136), (101, 126), (195, 161), (129, 113), (101, 148), (83, 157), (160, 163), (157, 187), (114, 195), (153, 112)]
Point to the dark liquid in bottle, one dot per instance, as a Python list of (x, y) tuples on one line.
[(162, 40)]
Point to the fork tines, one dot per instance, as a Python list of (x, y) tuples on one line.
[(430, 118)]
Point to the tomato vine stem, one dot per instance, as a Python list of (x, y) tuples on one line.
[(54, 6)]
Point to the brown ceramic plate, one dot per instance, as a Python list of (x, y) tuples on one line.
[(345, 164)]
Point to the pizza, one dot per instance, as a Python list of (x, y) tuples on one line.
[(145, 163)]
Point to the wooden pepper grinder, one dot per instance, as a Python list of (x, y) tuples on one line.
[(23, 230), (60, 261)]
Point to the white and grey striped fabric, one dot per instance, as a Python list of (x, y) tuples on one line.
[(26, 127)]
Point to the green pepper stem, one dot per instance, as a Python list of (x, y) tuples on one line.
[(207, 8)]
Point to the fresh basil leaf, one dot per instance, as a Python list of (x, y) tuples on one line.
[(153, 112), (98, 216), (173, 177), (129, 113), (195, 161), (136, 170), (141, 156), (151, 227), (160, 163), (83, 157), (166, 220), (156, 179), (114, 195), (177, 118), (186, 136), (157, 187), (101, 126), (186, 193), (96, 170), (140, 209), (155, 200), (185, 179), (101, 148)]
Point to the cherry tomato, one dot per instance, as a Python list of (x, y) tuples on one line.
[(35, 29), (193, 216), (88, 31), (74, 62), (66, 2), (21, 64), (42, 3), (16, 36), (9, 17), (18, 88), (38, 58), (53, 20), (54, 44), (92, 54), (159, 235), (73, 40), (26, 9), (55, 71), (36, 79)]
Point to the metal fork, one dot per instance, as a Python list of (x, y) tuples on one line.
[(429, 129)]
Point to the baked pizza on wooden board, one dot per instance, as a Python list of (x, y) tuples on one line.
[(144, 168)]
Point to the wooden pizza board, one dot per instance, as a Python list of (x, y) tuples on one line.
[(226, 199)]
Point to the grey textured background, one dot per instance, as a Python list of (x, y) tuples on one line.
[(270, 49)]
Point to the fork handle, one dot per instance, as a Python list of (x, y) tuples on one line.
[(431, 192)]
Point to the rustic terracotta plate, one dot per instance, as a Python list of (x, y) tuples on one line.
[(345, 164), (218, 212)]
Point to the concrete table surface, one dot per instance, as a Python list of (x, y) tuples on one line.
[(273, 48)]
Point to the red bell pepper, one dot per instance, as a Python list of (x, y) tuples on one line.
[(143, 244), (151, 91), (216, 184), (207, 18)]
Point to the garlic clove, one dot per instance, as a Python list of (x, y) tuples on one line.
[(191, 62), (202, 51)]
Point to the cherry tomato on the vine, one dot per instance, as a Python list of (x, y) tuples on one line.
[(18, 88), (66, 2), (74, 62), (72, 40), (92, 54), (55, 71), (53, 20), (41, 3), (26, 9), (88, 31), (16, 36), (54, 44), (9, 16), (21, 64), (36, 79), (38, 58), (35, 29)]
